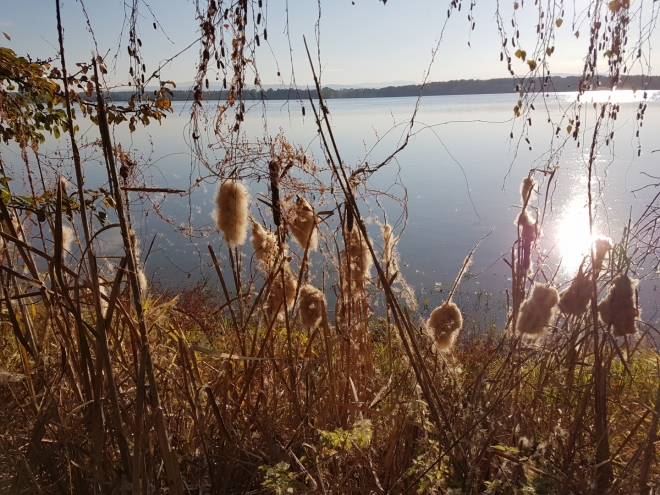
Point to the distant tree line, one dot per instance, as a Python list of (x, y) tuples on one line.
[(458, 87)]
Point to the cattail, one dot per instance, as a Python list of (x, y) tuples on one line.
[(537, 311), (602, 246), (282, 295), (528, 232), (524, 444), (231, 213), (264, 244), (527, 189), (142, 280), (104, 294), (391, 265), (527, 226), (388, 245), (67, 239), (575, 299), (303, 224), (312, 303), (358, 256), (618, 307), (443, 325)]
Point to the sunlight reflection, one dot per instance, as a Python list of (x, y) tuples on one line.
[(573, 236), (618, 96)]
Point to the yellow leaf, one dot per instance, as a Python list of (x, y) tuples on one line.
[(518, 53), (569, 129), (532, 64), (559, 22)]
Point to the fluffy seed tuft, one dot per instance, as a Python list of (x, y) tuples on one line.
[(264, 244), (312, 303), (303, 224), (527, 189), (537, 311), (231, 211), (575, 299), (282, 295), (602, 246), (358, 256), (618, 308), (444, 324)]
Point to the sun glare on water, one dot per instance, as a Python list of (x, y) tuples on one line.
[(573, 238)]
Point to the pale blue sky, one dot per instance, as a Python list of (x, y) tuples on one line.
[(365, 42)]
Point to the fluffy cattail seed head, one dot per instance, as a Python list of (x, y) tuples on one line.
[(312, 304), (575, 299), (264, 244), (231, 211), (618, 308), (527, 226), (303, 224), (527, 189), (443, 325), (358, 256), (386, 232), (537, 311), (67, 239), (282, 295), (602, 246)]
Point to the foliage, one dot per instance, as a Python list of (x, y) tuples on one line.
[(29, 100)]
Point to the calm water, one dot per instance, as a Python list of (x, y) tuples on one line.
[(461, 174)]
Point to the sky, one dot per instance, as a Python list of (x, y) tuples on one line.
[(361, 41)]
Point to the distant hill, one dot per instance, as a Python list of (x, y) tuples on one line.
[(458, 87)]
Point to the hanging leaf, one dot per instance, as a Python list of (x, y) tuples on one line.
[(559, 22)]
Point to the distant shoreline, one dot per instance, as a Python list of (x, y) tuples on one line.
[(454, 88)]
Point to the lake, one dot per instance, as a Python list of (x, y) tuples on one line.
[(461, 173)]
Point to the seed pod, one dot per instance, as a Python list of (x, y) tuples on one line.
[(282, 295), (358, 256), (303, 225), (618, 308), (312, 305), (575, 299), (231, 213), (264, 244), (444, 324), (274, 169), (527, 189), (537, 311)]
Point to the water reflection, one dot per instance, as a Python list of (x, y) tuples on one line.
[(573, 237)]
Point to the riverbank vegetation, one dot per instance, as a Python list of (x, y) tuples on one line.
[(306, 367)]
